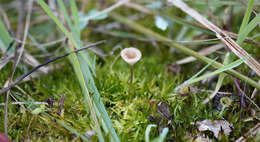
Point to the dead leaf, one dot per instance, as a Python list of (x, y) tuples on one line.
[(215, 126)]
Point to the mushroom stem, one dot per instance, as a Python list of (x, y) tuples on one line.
[(131, 78)]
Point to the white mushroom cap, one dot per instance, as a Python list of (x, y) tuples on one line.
[(131, 55)]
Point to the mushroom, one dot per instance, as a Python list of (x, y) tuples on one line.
[(131, 55)]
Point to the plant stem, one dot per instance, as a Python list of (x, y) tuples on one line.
[(131, 78)]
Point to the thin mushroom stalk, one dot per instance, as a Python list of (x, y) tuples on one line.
[(131, 78), (131, 56)]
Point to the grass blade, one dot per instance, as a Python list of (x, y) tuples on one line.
[(245, 21), (222, 69), (252, 24), (221, 78), (185, 83)]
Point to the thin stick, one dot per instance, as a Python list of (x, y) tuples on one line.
[(27, 24), (109, 9), (24, 103), (17, 60), (202, 52), (6, 20), (131, 78), (42, 44), (243, 94), (255, 91), (45, 63)]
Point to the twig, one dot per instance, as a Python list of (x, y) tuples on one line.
[(212, 16), (36, 43), (7, 23), (203, 52), (118, 4), (255, 91), (23, 103), (17, 59), (255, 11), (45, 63), (139, 8), (42, 44), (28, 18), (21, 7), (243, 94), (235, 36)]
